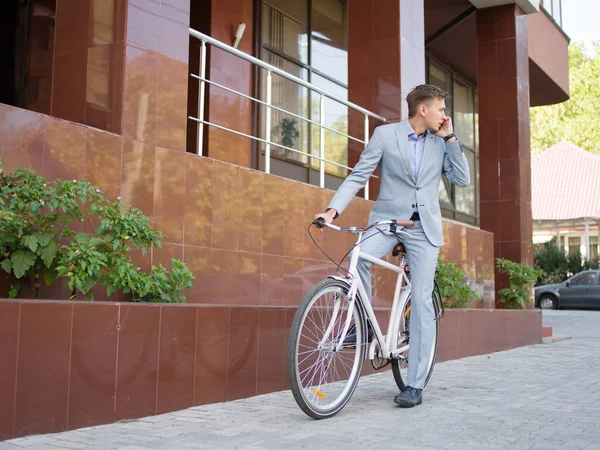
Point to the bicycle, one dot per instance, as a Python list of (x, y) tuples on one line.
[(323, 372)]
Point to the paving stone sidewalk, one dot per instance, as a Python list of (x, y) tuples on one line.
[(544, 396)]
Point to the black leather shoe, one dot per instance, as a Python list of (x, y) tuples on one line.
[(409, 397), (350, 340)]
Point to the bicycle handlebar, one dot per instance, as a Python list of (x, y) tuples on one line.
[(320, 223)]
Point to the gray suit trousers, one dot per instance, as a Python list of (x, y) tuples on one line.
[(422, 259)]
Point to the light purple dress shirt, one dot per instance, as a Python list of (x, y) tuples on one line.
[(417, 146)]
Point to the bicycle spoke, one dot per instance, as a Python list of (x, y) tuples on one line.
[(318, 361), (312, 332), (311, 383), (311, 340)]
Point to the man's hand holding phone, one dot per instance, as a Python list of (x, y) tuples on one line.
[(445, 128)]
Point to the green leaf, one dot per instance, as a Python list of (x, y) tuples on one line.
[(50, 276), (35, 205), (30, 241), (48, 253), (22, 260), (89, 295), (82, 238), (14, 290), (6, 265), (44, 238)]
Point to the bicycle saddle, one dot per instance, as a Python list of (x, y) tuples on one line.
[(398, 249)]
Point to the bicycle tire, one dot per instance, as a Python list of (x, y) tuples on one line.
[(397, 364), (306, 394)]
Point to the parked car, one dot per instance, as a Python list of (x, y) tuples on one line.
[(579, 291)]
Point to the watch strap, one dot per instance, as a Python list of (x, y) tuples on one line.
[(450, 136)]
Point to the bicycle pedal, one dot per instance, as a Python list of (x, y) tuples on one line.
[(400, 358)]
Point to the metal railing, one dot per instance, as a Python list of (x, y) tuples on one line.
[(267, 102)]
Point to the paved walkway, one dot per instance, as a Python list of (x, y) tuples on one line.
[(539, 397)]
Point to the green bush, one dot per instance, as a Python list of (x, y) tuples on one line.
[(591, 264), (40, 237), (574, 263), (553, 261), (454, 289), (557, 265), (522, 279)]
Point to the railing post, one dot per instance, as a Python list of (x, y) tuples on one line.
[(322, 143), (366, 142), (268, 124), (200, 135)]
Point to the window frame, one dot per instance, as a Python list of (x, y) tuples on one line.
[(312, 73), (454, 76)]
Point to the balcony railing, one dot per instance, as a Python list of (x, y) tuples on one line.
[(267, 103)]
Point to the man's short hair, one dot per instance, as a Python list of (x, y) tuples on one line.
[(423, 93)]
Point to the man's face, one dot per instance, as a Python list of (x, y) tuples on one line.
[(434, 114)]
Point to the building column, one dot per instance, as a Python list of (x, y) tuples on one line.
[(505, 160), (87, 75), (587, 239), (122, 66), (386, 58)]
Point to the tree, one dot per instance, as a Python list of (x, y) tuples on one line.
[(578, 119)]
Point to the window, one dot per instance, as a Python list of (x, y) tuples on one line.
[(593, 247), (27, 53), (554, 9), (460, 203), (574, 245), (308, 39), (28, 75), (584, 279), (557, 11)]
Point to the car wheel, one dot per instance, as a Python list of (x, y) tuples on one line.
[(547, 302)]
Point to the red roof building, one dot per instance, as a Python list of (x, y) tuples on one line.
[(565, 197)]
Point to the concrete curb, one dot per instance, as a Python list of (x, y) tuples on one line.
[(551, 339)]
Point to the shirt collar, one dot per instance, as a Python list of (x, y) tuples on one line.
[(413, 134)]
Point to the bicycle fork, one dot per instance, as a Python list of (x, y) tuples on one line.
[(351, 299), (339, 298)]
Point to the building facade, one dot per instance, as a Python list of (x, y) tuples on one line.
[(107, 91), (568, 208)]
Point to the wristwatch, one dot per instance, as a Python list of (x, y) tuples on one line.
[(450, 136)]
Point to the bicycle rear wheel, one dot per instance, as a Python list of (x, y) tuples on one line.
[(400, 364), (323, 379)]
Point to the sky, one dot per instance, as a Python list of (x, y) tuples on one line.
[(580, 20)]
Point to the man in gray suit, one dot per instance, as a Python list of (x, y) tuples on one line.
[(412, 156)]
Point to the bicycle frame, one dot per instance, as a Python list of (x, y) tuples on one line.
[(401, 293)]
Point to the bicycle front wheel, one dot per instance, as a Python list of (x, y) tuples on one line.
[(400, 364), (322, 378)]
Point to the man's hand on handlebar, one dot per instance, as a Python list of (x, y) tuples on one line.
[(326, 216)]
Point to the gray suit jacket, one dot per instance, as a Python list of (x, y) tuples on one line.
[(389, 149)]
